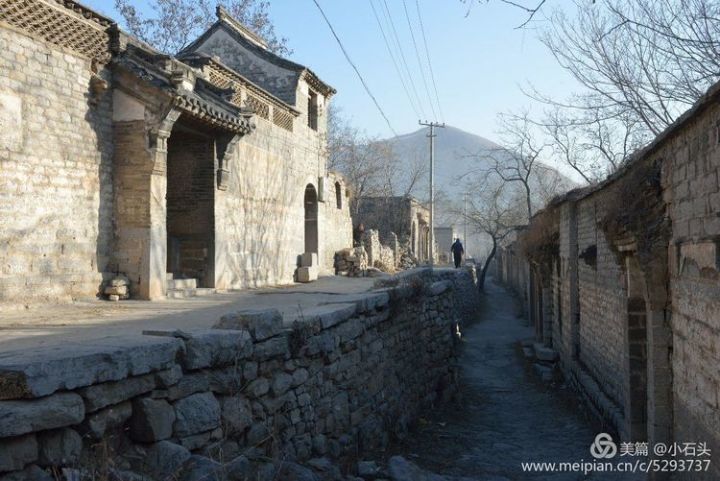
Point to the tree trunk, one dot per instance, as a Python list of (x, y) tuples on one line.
[(481, 280), (528, 201)]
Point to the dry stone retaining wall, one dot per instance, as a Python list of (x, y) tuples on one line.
[(341, 378)]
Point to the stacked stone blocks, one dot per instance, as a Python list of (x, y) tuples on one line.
[(339, 378)]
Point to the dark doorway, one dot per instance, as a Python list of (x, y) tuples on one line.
[(190, 205), (311, 219)]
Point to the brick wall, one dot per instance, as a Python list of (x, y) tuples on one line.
[(602, 301), (55, 188), (190, 204), (648, 337), (693, 195)]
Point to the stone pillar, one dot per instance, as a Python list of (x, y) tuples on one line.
[(140, 162), (153, 278)]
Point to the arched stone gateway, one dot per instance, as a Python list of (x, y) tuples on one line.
[(311, 219)]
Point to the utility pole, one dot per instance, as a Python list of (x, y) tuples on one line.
[(432, 136), (465, 237)]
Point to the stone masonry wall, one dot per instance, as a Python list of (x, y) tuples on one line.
[(55, 173), (339, 379)]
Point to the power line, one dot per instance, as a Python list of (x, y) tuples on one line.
[(427, 53), (352, 64), (417, 55), (394, 61), (402, 57)]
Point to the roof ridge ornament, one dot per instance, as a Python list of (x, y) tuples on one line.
[(224, 16)]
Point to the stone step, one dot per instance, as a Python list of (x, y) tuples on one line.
[(169, 276), (182, 284), (181, 293), (204, 291)]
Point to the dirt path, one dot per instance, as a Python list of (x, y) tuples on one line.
[(505, 416)]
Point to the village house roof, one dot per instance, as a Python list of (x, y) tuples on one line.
[(192, 94), (283, 88)]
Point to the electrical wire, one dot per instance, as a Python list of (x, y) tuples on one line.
[(352, 64), (394, 60)]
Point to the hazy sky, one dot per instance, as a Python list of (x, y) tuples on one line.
[(480, 61)]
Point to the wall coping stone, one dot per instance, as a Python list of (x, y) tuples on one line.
[(66, 366), (208, 347), (437, 288), (366, 301), (329, 315)]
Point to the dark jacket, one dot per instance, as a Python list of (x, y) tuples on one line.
[(457, 248)]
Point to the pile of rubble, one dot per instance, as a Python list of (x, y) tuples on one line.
[(118, 288), (407, 260), (352, 262), (385, 260)]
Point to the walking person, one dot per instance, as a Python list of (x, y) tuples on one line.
[(457, 251)]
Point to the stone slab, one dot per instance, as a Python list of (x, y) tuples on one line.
[(67, 366), (210, 347), (261, 323), (329, 315), (109, 393), (56, 411)]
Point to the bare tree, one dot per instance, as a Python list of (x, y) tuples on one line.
[(516, 162), (368, 165), (645, 60), (170, 25), (589, 143), (529, 8), (495, 212)]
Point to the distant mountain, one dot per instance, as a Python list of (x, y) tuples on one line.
[(457, 153)]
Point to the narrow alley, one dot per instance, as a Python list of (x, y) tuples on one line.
[(505, 415)]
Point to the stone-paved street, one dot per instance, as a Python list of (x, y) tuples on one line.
[(506, 415)]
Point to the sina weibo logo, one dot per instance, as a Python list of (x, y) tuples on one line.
[(603, 447)]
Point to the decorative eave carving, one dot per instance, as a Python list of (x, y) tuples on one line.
[(240, 124)]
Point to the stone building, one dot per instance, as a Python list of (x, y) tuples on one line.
[(404, 216), (624, 285), (118, 158)]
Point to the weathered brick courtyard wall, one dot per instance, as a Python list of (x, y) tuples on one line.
[(693, 195), (340, 379), (55, 175), (637, 325), (602, 303)]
